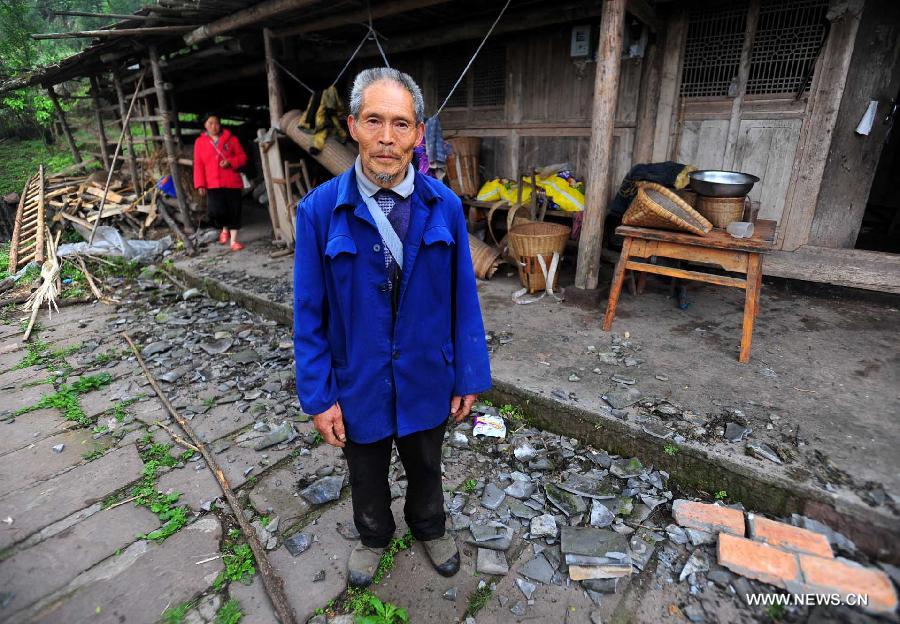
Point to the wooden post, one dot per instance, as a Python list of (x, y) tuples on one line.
[(62, 122), (95, 95), (176, 123), (168, 141), (669, 83), (276, 99), (649, 98), (734, 122), (126, 128), (606, 89)]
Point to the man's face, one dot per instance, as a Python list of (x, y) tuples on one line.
[(212, 126), (386, 131)]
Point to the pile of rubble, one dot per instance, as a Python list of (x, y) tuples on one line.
[(77, 199)]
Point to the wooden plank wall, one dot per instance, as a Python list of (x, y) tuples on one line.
[(546, 115)]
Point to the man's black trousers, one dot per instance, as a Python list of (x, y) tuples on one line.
[(424, 509)]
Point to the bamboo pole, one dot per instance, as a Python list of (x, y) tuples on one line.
[(273, 583), (113, 164), (126, 128), (247, 17), (109, 34), (606, 89), (169, 143), (65, 126), (95, 96)]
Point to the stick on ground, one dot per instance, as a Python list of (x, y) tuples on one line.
[(271, 581)]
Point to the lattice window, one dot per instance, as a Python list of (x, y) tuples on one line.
[(485, 83), (712, 52), (788, 36)]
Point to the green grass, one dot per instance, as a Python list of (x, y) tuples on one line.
[(239, 564), (721, 495), (469, 485), (513, 413), (671, 449), (397, 544), (4, 260), (172, 516), (317, 439), (40, 353), (478, 599), (67, 401), (21, 158), (175, 615), (90, 456), (229, 613)]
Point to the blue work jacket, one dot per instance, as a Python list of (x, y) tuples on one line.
[(390, 378)]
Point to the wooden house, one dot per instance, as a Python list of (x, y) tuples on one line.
[(772, 88)]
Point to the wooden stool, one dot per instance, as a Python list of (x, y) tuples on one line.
[(738, 255)]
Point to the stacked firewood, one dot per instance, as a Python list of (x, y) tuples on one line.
[(77, 199)]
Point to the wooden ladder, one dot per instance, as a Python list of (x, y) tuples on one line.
[(27, 242)]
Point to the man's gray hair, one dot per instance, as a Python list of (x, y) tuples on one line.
[(367, 77)]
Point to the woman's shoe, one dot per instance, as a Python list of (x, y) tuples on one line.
[(236, 246), (224, 237)]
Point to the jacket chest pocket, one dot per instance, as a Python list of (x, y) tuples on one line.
[(438, 249), (341, 254)]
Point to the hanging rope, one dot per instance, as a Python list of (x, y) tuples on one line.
[(472, 60), (375, 35), (288, 72)]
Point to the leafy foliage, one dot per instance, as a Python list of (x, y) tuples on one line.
[(379, 612), (229, 613), (239, 564)]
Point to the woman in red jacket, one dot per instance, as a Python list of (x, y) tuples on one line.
[(217, 157)]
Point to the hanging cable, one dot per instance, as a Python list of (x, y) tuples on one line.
[(288, 72), (375, 35), (350, 60), (472, 60)]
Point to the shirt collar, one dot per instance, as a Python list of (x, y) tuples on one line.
[(367, 188)]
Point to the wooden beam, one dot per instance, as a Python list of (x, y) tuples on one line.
[(60, 116), (606, 89), (109, 34), (354, 17), (515, 22), (854, 268), (276, 98), (643, 10), (246, 17), (95, 95), (168, 141), (817, 130), (121, 16), (126, 128)]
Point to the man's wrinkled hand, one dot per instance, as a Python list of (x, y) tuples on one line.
[(330, 424), (461, 406)]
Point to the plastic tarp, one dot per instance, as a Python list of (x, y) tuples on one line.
[(109, 242)]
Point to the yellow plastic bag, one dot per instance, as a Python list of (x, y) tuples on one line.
[(490, 191), (567, 197)]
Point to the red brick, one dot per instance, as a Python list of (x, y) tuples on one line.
[(758, 561), (838, 576), (789, 537), (710, 518)]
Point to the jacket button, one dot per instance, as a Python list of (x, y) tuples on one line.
[(384, 287), (376, 247), (395, 355)]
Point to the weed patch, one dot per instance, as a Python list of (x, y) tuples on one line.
[(175, 615), (478, 599), (397, 544), (66, 399), (239, 564), (156, 456), (229, 613)]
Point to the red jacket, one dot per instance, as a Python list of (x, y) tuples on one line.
[(207, 156)]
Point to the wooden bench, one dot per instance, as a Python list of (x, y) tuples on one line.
[(738, 255)]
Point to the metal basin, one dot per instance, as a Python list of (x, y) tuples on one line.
[(714, 183)]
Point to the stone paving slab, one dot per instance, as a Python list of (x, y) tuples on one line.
[(11, 379), (44, 503), (235, 461), (39, 461), (139, 584), (20, 432), (220, 421), (48, 566), (255, 603), (25, 397), (276, 493), (329, 553), (196, 486)]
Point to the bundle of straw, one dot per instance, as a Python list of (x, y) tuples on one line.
[(47, 291)]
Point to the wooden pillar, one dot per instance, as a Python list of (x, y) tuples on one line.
[(647, 102), (669, 85), (104, 148), (176, 123), (168, 141), (276, 97), (126, 128), (65, 126), (606, 90), (734, 122)]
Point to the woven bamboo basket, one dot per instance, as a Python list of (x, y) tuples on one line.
[(530, 240), (655, 206), (721, 210), (485, 258), (462, 165)]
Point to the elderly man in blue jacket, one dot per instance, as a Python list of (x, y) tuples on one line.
[(388, 336)]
